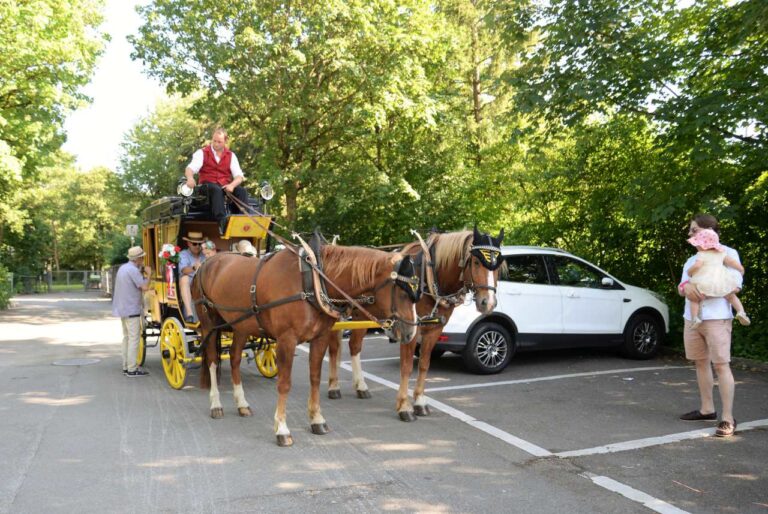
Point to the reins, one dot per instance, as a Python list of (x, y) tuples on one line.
[(309, 259)]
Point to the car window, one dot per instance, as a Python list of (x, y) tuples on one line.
[(570, 272), (528, 269)]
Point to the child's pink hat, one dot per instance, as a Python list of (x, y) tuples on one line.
[(707, 238)]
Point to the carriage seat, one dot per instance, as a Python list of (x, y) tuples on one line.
[(200, 209)]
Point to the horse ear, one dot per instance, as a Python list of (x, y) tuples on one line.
[(500, 237)]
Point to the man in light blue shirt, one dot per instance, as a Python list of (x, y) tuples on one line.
[(709, 343), (190, 259), (127, 304)]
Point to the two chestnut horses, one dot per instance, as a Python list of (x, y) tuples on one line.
[(266, 296), (466, 261)]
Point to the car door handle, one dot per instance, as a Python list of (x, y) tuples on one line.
[(627, 300), (571, 294)]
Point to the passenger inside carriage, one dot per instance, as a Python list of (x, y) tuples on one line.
[(218, 170), (190, 260)]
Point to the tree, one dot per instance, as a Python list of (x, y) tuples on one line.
[(297, 82), (48, 50), (158, 148)]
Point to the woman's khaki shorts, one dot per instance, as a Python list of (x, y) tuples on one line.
[(712, 339)]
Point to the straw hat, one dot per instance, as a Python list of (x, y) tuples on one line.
[(135, 252), (194, 237)]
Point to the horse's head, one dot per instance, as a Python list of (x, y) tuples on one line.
[(397, 300), (481, 271)]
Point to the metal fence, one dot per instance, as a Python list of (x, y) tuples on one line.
[(63, 280)]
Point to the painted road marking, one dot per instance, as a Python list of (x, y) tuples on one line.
[(655, 441), (508, 438), (647, 500), (552, 377)]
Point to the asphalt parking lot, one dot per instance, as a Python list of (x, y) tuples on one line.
[(585, 431)]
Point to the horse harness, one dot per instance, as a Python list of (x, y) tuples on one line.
[(313, 291), (488, 254)]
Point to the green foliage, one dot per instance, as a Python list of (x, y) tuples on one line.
[(5, 288), (158, 148), (49, 50)]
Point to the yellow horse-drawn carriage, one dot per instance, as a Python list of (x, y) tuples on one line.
[(166, 221)]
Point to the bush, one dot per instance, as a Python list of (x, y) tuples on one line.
[(5, 288)]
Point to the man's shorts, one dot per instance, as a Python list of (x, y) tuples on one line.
[(711, 339)]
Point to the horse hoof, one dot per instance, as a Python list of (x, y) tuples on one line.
[(284, 440), (421, 410), (334, 394), (364, 394), (319, 428), (217, 413), (245, 412), (406, 415)]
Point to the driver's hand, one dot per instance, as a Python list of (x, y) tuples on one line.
[(229, 188), (191, 183)]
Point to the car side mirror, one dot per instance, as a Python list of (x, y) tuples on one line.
[(607, 282)]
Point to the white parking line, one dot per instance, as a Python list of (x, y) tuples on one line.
[(552, 377), (655, 441), (463, 416), (633, 494)]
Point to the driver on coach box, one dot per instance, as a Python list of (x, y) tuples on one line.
[(219, 171)]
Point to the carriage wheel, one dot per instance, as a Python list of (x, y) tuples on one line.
[(266, 360), (173, 352), (141, 351)]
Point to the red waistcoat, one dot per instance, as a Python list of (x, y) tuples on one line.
[(217, 172)]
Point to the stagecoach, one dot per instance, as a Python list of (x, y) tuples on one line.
[(166, 221)]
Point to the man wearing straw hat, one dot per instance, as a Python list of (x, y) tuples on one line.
[(127, 304), (190, 260), (219, 171)]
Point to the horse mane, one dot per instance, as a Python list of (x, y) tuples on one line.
[(360, 263), (449, 247)]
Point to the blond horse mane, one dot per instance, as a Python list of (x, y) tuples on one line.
[(361, 263), (450, 247)]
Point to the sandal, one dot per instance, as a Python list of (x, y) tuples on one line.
[(725, 428)]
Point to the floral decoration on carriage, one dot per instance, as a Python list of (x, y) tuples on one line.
[(169, 254)]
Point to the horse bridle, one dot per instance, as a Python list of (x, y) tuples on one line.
[(408, 284), (489, 257)]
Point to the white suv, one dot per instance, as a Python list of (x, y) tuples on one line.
[(547, 299)]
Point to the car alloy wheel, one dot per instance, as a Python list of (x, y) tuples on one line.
[(642, 337), (489, 349)]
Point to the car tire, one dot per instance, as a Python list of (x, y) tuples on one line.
[(642, 337), (489, 349)]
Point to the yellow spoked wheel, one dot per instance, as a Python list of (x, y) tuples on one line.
[(141, 351), (266, 360), (173, 351)]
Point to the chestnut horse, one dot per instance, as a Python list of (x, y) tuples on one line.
[(464, 262), (266, 296)]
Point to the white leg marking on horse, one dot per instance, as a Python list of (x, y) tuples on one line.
[(491, 294), (357, 374), (317, 419), (281, 427), (239, 395), (214, 394), (421, 401)]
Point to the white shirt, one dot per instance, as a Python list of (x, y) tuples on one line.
[(711, 308), (197, 163)]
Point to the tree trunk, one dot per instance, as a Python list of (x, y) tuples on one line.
[(55, 246)]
